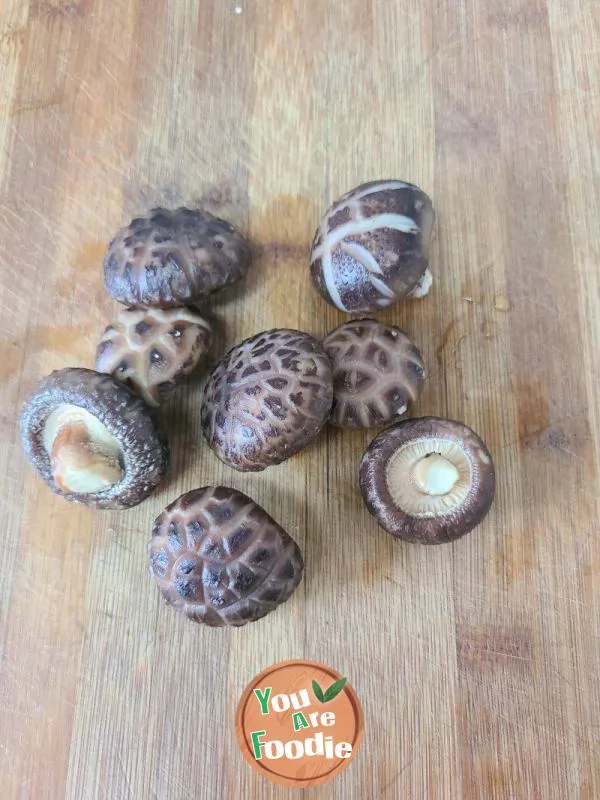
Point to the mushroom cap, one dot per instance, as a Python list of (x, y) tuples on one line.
[(378, 373), (372, 246), (428, 480), (174, 258), (221, 559), (152, 350), (267, 399), (144, 451)]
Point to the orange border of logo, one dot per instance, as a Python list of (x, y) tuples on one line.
[(246, 746)]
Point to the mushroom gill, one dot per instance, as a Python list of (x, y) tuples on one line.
[(428, 477), (428, 480)]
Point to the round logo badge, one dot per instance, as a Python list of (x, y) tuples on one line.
[(299, 723)]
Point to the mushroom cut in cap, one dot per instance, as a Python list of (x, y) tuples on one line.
[(152, 350), (92, 440), (428, 480), (372, 247), (267, 399), (174, 258), (378, 373), (221, 559)]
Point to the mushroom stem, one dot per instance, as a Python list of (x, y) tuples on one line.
[(80, 464), (435, 475), (423, 286)]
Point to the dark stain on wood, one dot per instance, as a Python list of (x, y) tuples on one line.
[(488, 330), (370, 570), (216, 196), (280, 251), (464, 129), (140, 198), (526, 18), (36, 105), (489, 648), (534, 411), (90, 257), (11, 359), (67, 344), (450, 339), (515, 557), (8, 34), (54, 9), (538, 429), (289, 220)]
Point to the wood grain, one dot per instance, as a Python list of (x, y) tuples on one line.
[(476, 663)]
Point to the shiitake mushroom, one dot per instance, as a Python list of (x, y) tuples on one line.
[(152, 350), (219, 557), (267, 399), (428, 480), (378, 373), (372, 247), (92, 440), (174, 258)]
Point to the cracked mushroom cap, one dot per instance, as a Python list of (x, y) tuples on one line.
[(428, 480), (221, 559), (267, 399), (152, 350), (372, 247), (174, 258), (92, 440), (378, 373)]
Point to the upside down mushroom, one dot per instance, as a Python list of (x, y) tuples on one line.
[(92, 440), (428, 480)]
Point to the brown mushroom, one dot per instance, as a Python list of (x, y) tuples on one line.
[(428, 480), (372, 247), (152, 350), (221, 559), (267, 399), (92, 440), (174, 258), (378, 373)]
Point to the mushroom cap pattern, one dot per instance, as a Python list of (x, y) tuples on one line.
[(152, 350), (174, 258), (428, 480), (221, 559), (372, 247), (267, 399), (92, 440), (378, 373)]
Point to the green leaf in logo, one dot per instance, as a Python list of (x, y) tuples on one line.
[(331, 693), (335, 689), (318, 692)]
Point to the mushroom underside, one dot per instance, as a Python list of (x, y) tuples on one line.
[(92, 440), (429, 480), (429, 477), (84, 455)]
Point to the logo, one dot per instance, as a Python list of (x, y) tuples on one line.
[(299, 723)]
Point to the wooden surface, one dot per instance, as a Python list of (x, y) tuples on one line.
[(477, 663)]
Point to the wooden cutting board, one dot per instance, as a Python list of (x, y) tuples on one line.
[(476, 663)]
